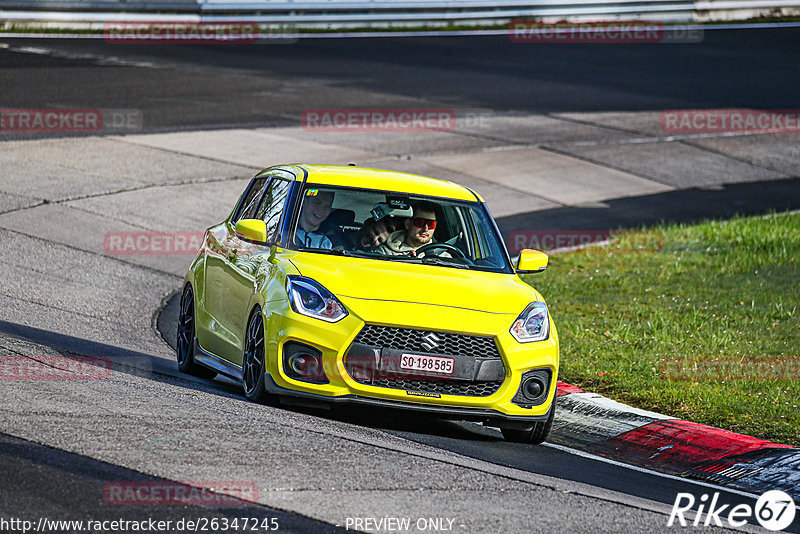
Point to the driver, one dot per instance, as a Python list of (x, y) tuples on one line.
[(316, 208), (419, 229)]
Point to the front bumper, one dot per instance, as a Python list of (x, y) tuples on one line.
[(334, 341), (483, 415)]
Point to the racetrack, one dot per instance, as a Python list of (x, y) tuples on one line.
[(569, 137)]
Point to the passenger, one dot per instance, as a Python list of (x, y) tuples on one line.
[(316, 208), (419, 230), (375, 233)]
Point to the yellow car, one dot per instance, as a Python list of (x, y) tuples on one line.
[(351, 285)]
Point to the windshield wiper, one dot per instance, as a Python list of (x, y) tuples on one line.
[(338, 252), (429, 260), (407, 259), (433, 260), (343, 252)]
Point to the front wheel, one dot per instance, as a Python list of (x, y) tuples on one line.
[(253, 361), (186, 334), (536, 433)]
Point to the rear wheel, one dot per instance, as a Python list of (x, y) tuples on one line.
[(536, 433), (186, 334), (253, 361)]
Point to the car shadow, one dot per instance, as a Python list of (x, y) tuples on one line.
[(118, 359)]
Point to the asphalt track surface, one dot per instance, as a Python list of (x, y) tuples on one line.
[(210, 87), (728, 69), (56, 484), (232, 86)]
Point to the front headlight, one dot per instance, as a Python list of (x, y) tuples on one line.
[(309, 298), (533, 324)]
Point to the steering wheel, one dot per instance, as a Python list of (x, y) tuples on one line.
[(448, 247)]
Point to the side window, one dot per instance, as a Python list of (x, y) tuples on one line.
[(271, 207), (248, 207), (488, 251), (477, 237)]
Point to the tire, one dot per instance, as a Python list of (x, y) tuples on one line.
[(535, 434), (254, 362), (186, 334)]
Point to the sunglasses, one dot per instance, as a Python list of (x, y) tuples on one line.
[(421, 223)]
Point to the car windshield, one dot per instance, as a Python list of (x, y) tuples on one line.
[(397, 227)]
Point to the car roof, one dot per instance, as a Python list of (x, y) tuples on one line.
[(380, 179)]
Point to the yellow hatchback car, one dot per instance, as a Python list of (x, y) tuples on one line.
[(351, 285)]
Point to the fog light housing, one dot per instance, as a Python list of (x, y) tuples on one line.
[(304, 363), (533, 388)]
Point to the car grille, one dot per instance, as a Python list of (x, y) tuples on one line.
[(444, 387), (482, 348), (410, 339)]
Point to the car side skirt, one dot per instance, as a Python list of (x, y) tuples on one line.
[(215, 363)]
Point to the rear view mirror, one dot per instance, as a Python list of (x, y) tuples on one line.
[(531, 261), (395, 208), (253, 230)]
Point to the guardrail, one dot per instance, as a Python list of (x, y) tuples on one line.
[(384, 13)]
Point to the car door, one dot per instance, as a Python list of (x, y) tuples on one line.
[(234, 277), (220, 249)]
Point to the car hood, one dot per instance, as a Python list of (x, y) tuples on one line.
[(414, 283)]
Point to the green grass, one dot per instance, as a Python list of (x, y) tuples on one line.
[(641, 326)]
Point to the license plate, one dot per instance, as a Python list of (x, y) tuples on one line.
[(431, 364)]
